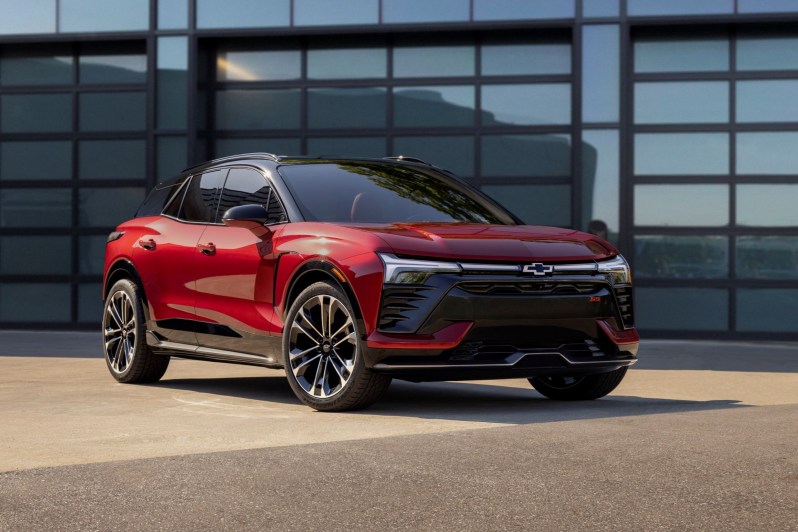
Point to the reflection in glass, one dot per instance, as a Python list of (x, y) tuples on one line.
[(525, 59), (407, 11), (91, 254), (600, 182), (767, 205), (671, 54), (127, 68), (346, 108), (601, 8), (764, 100), (258, 65), (679, 7), (767, 153), (529, 9), (112, 111), (35, 302), (172, 14), (258, 109), (767, 52), (103, 15), (111, 159), (347, 146), (243, 13), (767, 257), (172, 82), (601, 73), (95, 209), (24, 160), (681, 205), (767, 309), (538, 104), (681, 153), (35, 255), (526, 155), (278, 146), (766, 6), (350, 63), (35, 69), (682, 309), (335, 12), (24, 207), (681, 257), (36, 17), (535, 204), (90, 306), (434, 106), (171, 155), (32, 113), (453, 153), (686, 102), (433, 61)]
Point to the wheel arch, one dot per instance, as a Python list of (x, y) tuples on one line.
[(124, 269)]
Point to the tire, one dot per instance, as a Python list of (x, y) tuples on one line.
[(584, 388), (323, 352), (127, 355)]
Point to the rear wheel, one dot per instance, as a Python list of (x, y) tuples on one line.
[(323, 352), (127, 354), (582, 388)]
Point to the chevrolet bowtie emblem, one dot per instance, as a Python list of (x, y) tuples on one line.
[(538, 269)]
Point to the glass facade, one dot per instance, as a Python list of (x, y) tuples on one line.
[(676, 140)]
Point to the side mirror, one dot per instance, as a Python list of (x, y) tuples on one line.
[(252, 217)]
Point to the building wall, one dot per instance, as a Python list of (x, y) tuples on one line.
[(669, 124)]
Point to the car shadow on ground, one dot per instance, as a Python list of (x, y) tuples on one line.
[(458, 401)]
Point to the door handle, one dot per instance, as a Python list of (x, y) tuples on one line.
[(207, 249), (148, 243)]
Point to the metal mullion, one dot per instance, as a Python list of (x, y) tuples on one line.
[(626, 179), (150, 151), (304, 97), (682, 179), (389, 103), (477, 135), (75, 184), (576, 122), (715, 230)]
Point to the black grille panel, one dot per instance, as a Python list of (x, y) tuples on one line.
[(398, 302), (624, 296), (522, 287)]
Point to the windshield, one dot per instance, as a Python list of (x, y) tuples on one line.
[(366, 192)]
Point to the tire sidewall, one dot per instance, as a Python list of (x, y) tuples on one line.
[(128, 288)]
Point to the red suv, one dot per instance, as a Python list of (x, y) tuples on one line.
[(351, 272)]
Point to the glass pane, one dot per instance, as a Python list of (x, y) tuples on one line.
[(112, 111), (767, 52), (600, 182), (601, 73), (520, 105), (258, 109), (346, 108), (403, 11), (685, 102), (348, 146), (37, 16), (525, 59), (127, 68), (700, 54), (526, 155), (682, 309), (334, 12), (767, 205), (108, 207), (27, 160), (350, 63), (767, 257), (513, 9), (535, 204), (35, 69), (91, 254), (764, 101), (90, 304), (769, 309), (681, 153), (766, 6), (201, 200), (103, 15), (35, 255), (767, 153), (226, 147), (682, 205), (601, 8), (433, 61), (172, 14), (35, 302), (243, 13), (172, 153), (434, 106), (679, 7), (51, 207), (258, 65), (30, 113), (111, 159), (681, 257), (453, 153), (172, 82)]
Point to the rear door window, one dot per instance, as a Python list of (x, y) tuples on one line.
[(201, 200)]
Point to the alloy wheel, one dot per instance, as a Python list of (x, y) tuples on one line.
[(119, 328)]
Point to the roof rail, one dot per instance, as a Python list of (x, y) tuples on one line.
[(254, 155), (408, 159)]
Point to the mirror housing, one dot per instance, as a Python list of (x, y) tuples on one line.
[(252, 217)]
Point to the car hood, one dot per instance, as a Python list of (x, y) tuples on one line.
[(477, 242)]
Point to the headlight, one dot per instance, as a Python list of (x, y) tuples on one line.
[(413, 271), (617, 270)]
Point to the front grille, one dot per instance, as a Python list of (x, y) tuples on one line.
[(522, 287), (398, 301), (624, 296)]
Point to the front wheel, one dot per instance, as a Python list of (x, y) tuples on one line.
[(323, 352), (583, 388)]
